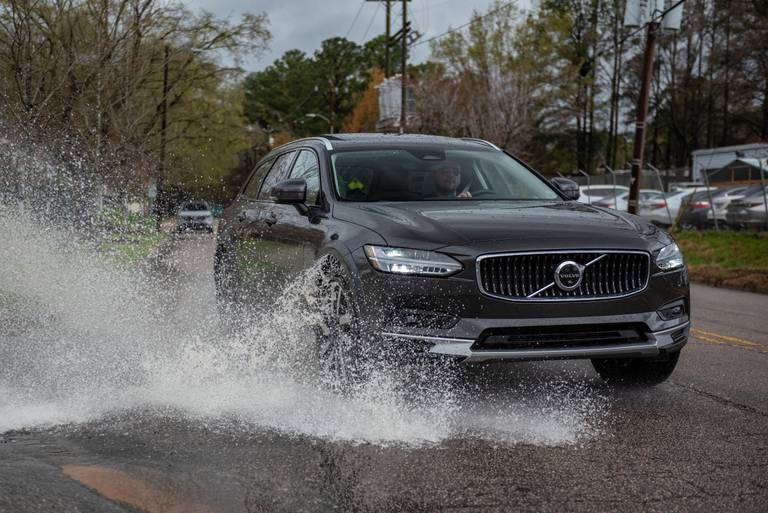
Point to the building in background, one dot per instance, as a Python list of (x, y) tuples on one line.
[(390, 100), (713, 160)]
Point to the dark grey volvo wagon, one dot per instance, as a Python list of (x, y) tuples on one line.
[(457, 247)]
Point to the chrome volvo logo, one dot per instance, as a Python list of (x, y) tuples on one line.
[(568, 275)]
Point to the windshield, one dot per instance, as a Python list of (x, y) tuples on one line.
[(194, 206), (434, 174)]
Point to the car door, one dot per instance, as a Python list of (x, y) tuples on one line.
[(292, 234), (254, 255), (269, 258)]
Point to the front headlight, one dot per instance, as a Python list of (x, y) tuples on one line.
[(411, 261), (669, 258)]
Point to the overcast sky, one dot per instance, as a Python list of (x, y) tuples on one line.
[(303, 24)]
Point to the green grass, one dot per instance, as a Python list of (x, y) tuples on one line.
[(128, 238), (725, 249), (131, 250), (728, 259)]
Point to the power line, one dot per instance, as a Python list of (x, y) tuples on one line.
[(489, 13), (359, 10), (375, 12), (657, 17)]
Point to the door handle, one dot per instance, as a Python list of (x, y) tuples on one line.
[(270, 218)]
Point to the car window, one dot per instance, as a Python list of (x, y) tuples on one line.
[(195, 206), (306, 167), (252, 189), (595, 195), (426, 173), (648, 195), (278, 173)]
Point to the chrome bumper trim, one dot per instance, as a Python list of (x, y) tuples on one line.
[(425, 338), (461, 347)]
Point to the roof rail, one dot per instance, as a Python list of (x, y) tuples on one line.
[(326, 142), (481, 141)]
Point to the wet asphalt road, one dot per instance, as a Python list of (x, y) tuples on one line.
[(699, 442)]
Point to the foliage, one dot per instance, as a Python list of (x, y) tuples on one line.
[(92, 72), (576, 70), (366, 113), (489, 97), (326, 85)]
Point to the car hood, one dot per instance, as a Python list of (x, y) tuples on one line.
[(432, 225)]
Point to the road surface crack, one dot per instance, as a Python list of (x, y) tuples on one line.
[(722, 400)]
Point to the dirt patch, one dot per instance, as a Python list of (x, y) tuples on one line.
[(150, 492), (751, 280)]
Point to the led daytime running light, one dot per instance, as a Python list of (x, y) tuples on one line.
[(411, 261)]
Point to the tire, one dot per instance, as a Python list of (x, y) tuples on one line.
[(340, 340), (636, 371)]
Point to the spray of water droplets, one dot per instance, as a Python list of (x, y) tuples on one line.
[(83, 338)]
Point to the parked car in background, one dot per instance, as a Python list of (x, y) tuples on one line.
[(686, 186), (647, 197), (592, 193), (662, 215), (695, 208), (194, 215), (723, 197), (749, 211)]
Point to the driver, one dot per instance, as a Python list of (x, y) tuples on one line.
[(447, 177)]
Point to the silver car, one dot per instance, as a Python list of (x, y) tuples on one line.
[(748, 212), (194, 215), (724, 197)]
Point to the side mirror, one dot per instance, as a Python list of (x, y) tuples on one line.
[(567, 188), (290, 191)]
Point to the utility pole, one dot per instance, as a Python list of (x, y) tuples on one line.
[(642, 113), (405, 36), (387, 52), (163, 125), (404, 63), (388, 37), (653, 15)]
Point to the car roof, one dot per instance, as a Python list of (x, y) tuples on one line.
[(379, 140)]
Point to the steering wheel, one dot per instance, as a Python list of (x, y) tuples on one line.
[(482, 192)]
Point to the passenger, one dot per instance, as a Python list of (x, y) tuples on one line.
[(447, 177)]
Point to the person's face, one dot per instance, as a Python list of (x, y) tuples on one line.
[(447, 178)]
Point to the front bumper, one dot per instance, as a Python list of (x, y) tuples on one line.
[(656, 344), (450, 316), (194, 224)]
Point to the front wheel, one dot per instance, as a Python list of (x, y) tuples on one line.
[(636, 371), (340, 339)]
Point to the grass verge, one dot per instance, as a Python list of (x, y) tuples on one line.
[(727, 259), (127, 238), (131, 249)]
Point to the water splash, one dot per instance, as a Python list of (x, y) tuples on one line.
[(83, 340)]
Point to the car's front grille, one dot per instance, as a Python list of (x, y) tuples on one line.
[(560, 337), (531, 276)]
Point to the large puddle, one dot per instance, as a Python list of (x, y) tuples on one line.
[(83, 340)]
